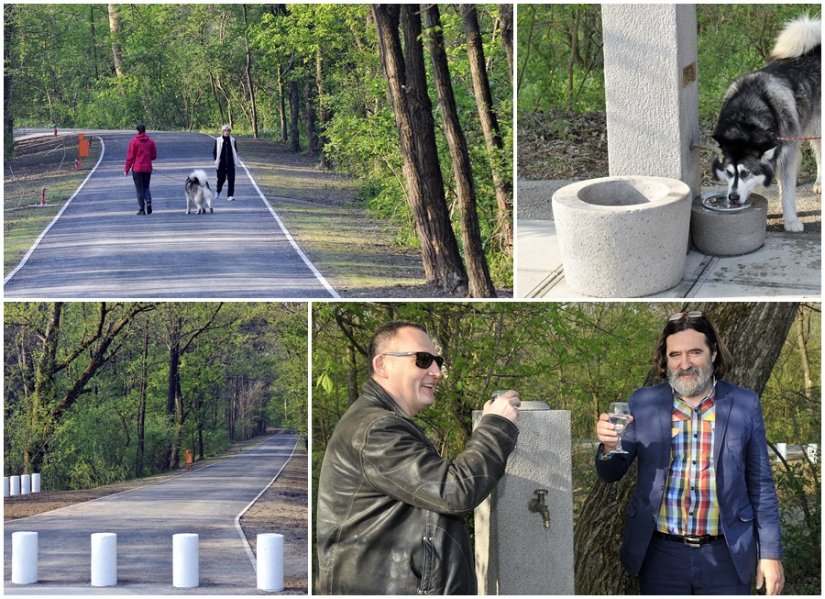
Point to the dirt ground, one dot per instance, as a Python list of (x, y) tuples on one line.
[(563, 146), (283, 508)]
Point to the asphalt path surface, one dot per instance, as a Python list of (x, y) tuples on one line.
[(97, 247), (206, 502)]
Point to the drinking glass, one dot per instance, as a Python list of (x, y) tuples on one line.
[(619, 413)]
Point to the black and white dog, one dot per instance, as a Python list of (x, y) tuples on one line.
[(198, 192), (765, 116)]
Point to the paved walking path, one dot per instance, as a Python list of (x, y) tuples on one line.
[(98, 248), (205, 502)]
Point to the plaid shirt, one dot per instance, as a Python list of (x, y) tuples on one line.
[(690, 506)]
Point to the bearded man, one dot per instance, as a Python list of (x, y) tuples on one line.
[(704, 518)]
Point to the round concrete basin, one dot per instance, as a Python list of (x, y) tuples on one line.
[(730, 232), (623, 236)]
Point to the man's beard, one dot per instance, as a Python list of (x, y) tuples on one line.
[(690, 388)]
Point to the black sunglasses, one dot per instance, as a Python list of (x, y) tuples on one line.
[(423, 359)]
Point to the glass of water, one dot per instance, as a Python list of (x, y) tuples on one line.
[(619, 413)]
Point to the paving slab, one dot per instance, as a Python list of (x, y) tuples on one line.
[(98, 248), (788, 265), (206, 502)]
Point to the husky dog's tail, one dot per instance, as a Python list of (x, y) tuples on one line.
[(199, 176), (799, 37)]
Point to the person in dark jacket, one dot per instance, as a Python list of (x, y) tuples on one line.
[(704, 519), (390, 517), (139, 159), (225, 153)]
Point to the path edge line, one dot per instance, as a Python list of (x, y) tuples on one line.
[(238, 527), (289, 237), (57, 216)]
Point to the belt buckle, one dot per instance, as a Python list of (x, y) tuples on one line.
[(692, 541)]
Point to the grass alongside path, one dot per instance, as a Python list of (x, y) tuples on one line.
[(322, 211), (39, 162)]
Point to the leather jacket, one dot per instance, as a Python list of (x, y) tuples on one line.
[(390, 508)]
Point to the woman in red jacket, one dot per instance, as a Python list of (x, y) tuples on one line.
[(139, 159)]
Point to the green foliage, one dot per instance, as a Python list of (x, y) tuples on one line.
[(243, 374), (732, 39), (184, 67), (800, 493)]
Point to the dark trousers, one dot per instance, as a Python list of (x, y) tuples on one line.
[(673, 568), (227, 173), (144, 196)]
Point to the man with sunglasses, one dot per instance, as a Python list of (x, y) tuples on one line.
[(390, 517), (704, 518)]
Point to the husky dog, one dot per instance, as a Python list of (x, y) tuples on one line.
[(764, 116), (198, 192)]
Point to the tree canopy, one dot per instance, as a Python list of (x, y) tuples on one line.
[(97, 393)]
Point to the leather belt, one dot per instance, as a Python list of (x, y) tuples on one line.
[(690, 541)]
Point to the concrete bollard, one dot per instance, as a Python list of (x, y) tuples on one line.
[(36, 482), (24, 557), (26, 484), (6, 488), (185, 566), (270, 562), (104, 559), (15, 486)]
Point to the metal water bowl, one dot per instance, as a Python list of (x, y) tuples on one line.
[(718, 200)]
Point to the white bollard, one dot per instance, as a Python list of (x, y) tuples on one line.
[(104, 559), (15, 486), (812, 451), (270, 562), (6, 488), (782, 448), (185, 567), (26, 484), (24, 557), (36, 482)]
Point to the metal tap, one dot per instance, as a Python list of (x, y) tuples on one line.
[(537, 504)]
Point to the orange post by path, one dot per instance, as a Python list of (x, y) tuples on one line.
[(82, 146), (188, 459)]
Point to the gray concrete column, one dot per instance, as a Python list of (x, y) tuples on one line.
[(651, 91), (516, 554)]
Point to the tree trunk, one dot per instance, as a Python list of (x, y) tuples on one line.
[(755, 334), (8, 117), (804, 359), (294, 108), (310, 117), (141, 423), (413, 117), (481, 285), (505, 13), (282, 106), (114, 29), (47, 409), (489, 125), (248, 71), (324, 114), (93, 40)]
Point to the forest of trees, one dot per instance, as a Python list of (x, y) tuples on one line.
[(580, 357), (413, 100), (560, 52), (96, 393)]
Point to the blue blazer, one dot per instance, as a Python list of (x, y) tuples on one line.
[(748, 508)]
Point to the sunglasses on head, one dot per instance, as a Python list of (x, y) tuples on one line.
[(681, 315), (423, 359)]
